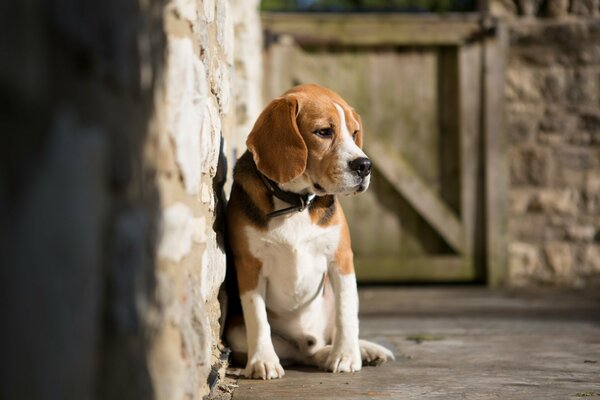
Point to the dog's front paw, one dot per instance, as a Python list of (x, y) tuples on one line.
[(374, 354), (343, 359), (264, 368)]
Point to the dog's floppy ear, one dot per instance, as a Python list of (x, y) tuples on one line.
[(275, 142)]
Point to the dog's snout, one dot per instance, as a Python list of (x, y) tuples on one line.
[(362, 166)]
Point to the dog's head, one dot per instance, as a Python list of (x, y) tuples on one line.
[(310, 140)]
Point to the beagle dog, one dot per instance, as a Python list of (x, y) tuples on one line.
[(289, 238)]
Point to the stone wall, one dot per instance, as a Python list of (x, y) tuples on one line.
[(553, 127), (118, 118)]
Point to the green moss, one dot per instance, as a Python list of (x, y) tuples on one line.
[(424, 337)]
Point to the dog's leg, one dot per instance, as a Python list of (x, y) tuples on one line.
[(263, 362), (344, 355)]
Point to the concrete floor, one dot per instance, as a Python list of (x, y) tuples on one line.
[(463, 343)]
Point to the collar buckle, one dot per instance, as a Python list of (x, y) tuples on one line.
[(299, 202)]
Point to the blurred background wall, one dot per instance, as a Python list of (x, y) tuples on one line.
[(491, 107), (118, 119), (553, 130)]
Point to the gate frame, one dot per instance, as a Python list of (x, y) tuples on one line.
[(454, 32)]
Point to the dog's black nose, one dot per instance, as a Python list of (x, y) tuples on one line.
[(362, 166)]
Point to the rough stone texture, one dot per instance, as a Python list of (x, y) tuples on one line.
[(112, 164), (553, 124), (248, 75)]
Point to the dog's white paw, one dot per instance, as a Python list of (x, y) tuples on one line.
[(344, 359), (374, 354), (264, 368)]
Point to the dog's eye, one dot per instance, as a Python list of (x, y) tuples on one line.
[(355, 135), (324, 132)]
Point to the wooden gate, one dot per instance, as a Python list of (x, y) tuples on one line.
[(430, 92)]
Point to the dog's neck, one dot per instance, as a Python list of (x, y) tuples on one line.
[(300, 185), (298, 201)]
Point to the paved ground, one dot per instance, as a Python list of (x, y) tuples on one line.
[(463, 343)]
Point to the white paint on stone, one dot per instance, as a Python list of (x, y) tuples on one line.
[(225, 32), (205, 194), (193, 118), (210, 137), (204, 266), (185, 9), (222, 87), (215, 268), (209, 10), (248, 75), (179, 230), (187, 91)]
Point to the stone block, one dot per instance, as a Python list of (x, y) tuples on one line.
[(559, 257), (529, 8), (584, 233), (591, 259), (558, 120), (565, 176), (573, 157), (586, 8), (529, 227), (524, 262), (220, 83), (591, 192), (208, 8), (531, 55), (588, 53), (557, 8), (528, 166), (522, 84), (225, 34), (520, 127), (582, 87), (193, 119), (186, 97), (553, 84), (178, 231), (184, 9), (503, 8), (582, 138), (570, 43), (556, 201), (520, 200), (590, 122)]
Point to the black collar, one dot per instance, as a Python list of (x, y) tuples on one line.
[(299, 202)]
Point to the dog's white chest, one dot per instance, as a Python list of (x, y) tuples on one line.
[(295, 254)]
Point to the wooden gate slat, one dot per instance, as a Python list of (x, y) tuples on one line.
[(496, 168), (373, 29), (426, 202), (421, 269), (471, 179)]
